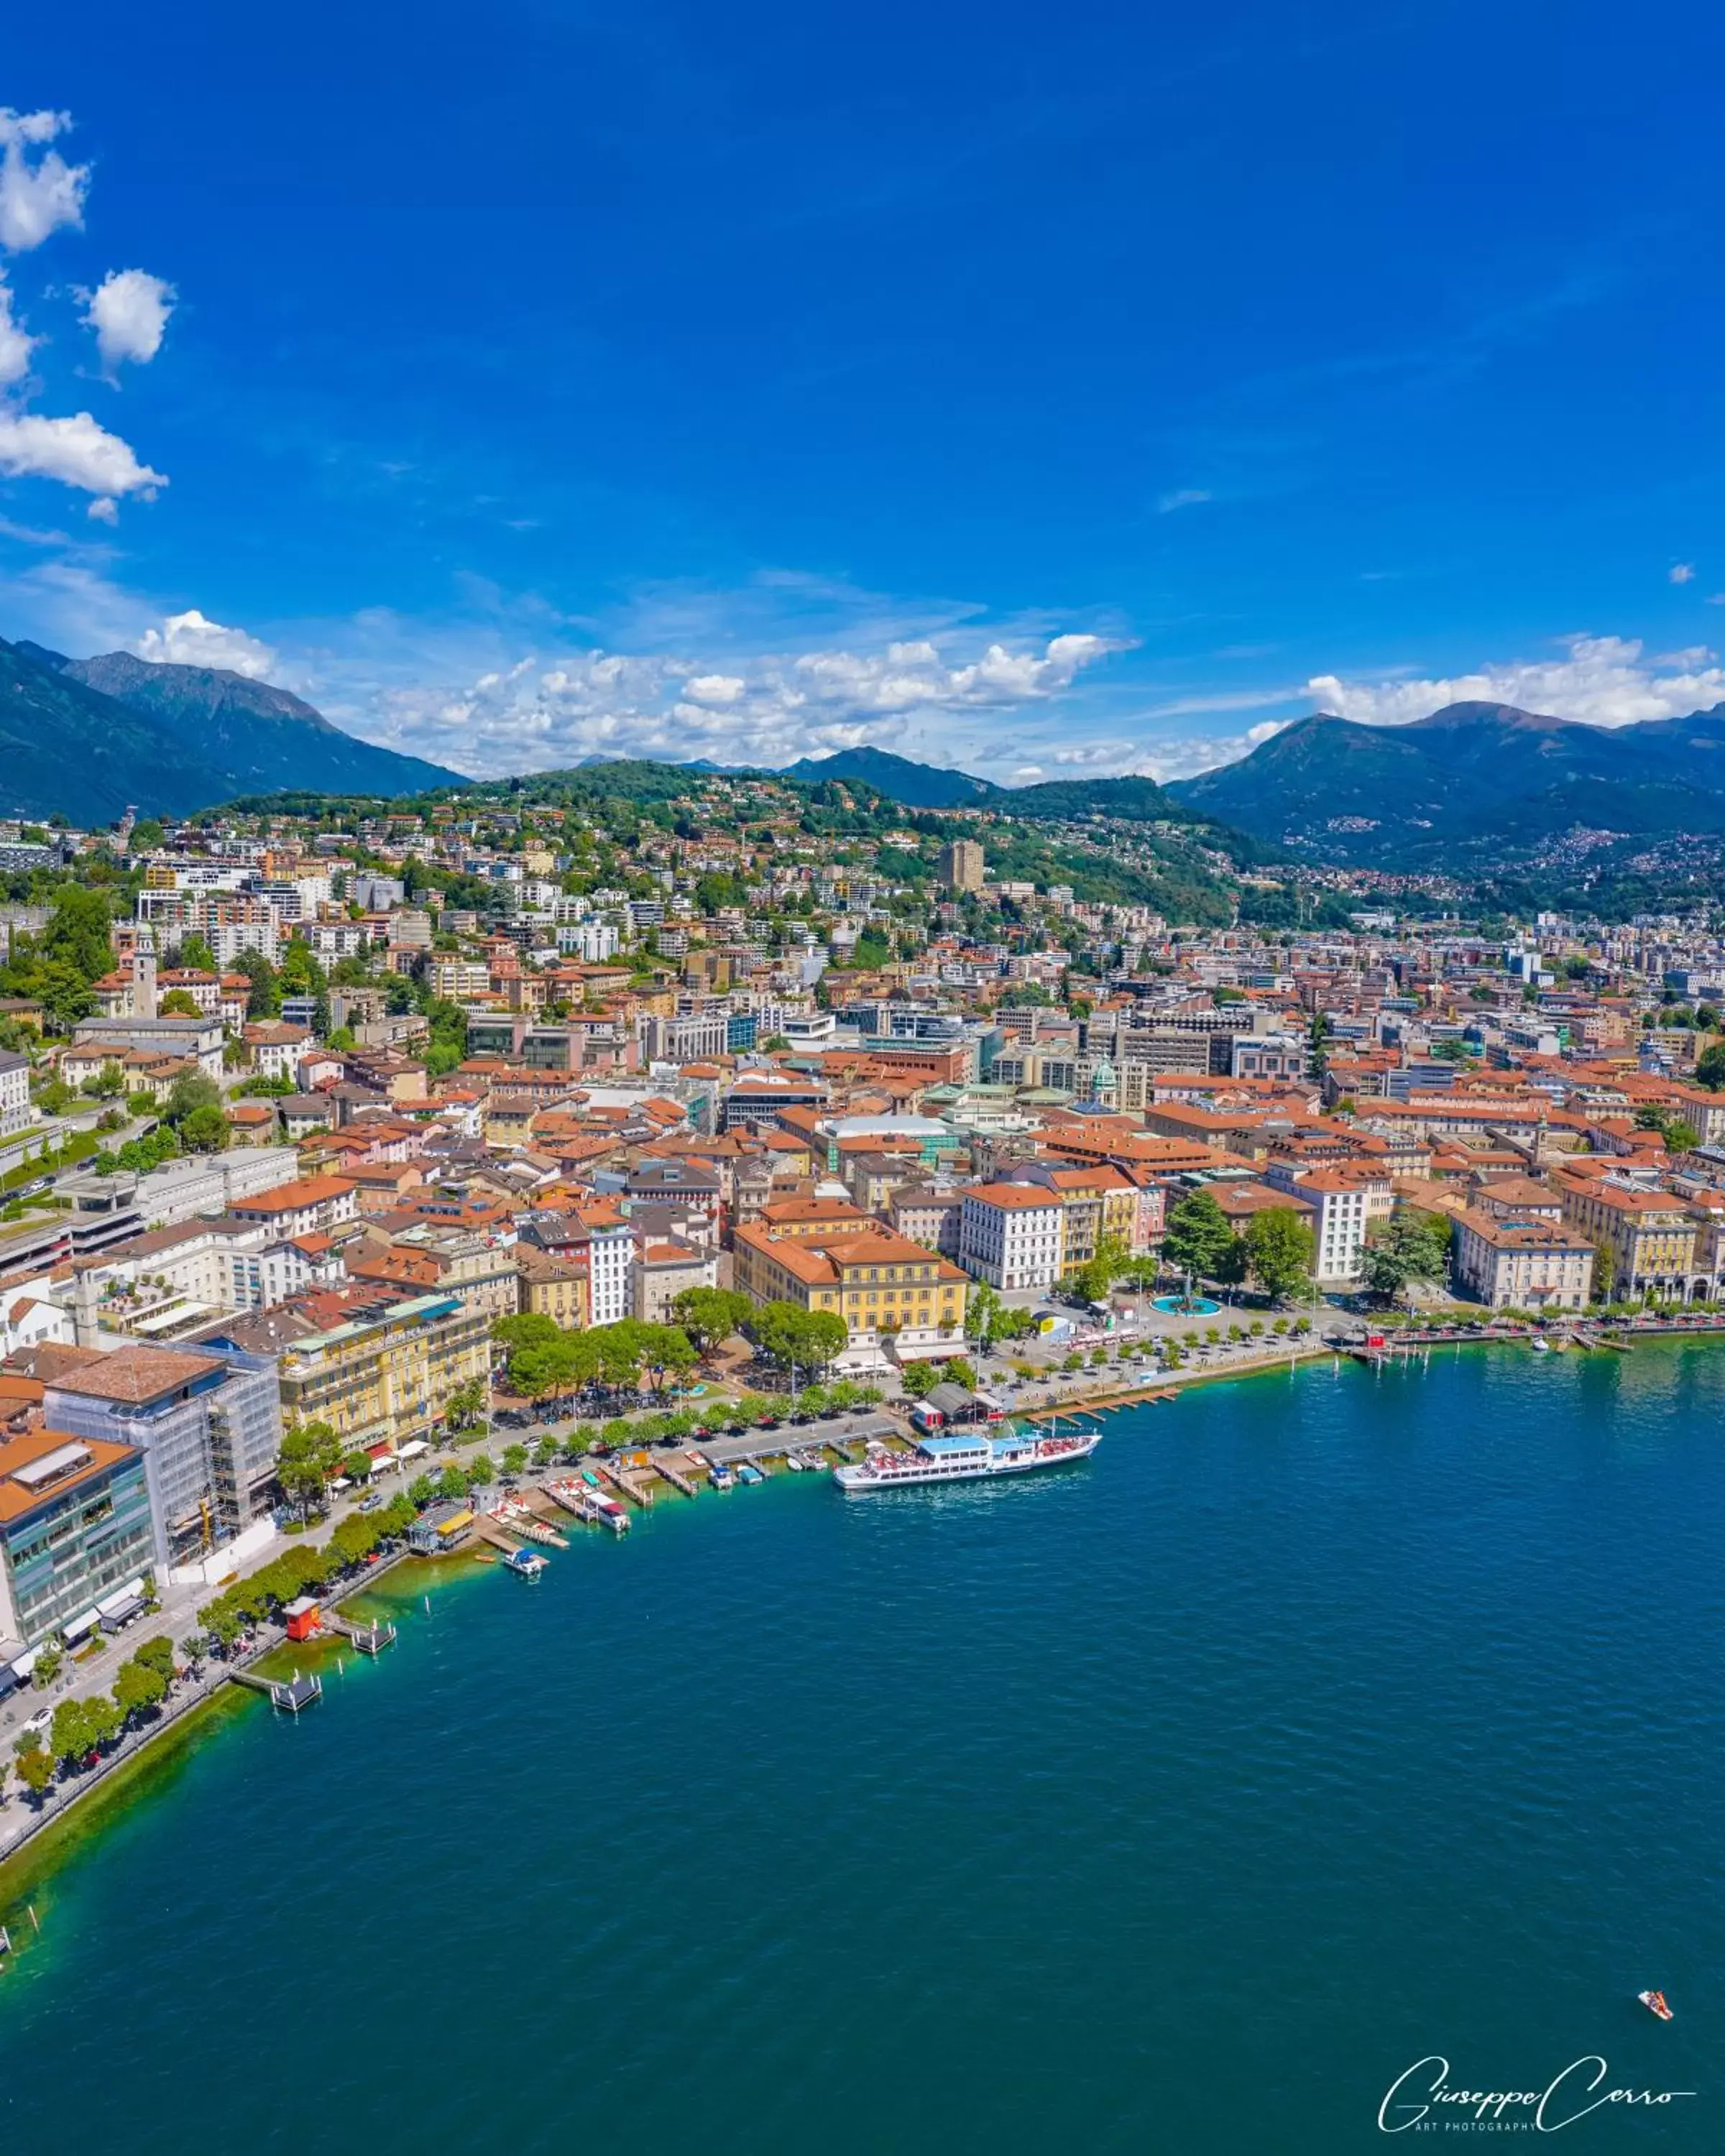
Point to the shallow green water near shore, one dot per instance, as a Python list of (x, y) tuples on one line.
[(1179, 1800)]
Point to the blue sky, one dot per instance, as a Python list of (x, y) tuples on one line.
[(1046, 391)]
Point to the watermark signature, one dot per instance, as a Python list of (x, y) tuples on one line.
[(1424, 2100)]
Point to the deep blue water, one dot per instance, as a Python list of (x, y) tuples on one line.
[(1179, 1800)]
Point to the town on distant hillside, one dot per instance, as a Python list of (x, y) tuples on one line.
[(341, 1138)]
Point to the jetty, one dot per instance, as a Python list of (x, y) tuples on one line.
[(512, 1514), (677, 1480), (291, 1695), (369, 1639)]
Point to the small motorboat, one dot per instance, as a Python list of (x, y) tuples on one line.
[(1654, 2001), (1541, 1346)]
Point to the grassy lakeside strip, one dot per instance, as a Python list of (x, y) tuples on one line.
[(61, 1828), (51, 1840)]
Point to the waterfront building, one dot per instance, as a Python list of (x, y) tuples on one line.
[(892, 1294), (382, 1376), (1651, 1235), (74, 1530), (208, 1423), (1009, 1236), (1522, 1261)]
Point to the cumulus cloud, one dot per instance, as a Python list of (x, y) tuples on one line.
[(715, 688), (15, 344), (193, 640), (129, 311), (39, 192), (1601, 680), (773, 709), (1681, 572), (77, 452)]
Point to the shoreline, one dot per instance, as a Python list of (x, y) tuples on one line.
[(34, 1854)]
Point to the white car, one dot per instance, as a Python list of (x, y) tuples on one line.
[(40, 1719)]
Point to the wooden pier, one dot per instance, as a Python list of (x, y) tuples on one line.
[(369, 1639), (677, 1480), (291, 1696)]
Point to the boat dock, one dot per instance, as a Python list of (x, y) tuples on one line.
[(369, 1639), (677, 1480), (290, 1696)]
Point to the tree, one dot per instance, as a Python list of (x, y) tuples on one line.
[(1197, 1238), (190, 1091), (206, 1130), (138, 1688), (1093, 1279), (357, 1466), (480, 1470), (195, 953), (708, 1316), (920, 1380), (515, 1461), (309, 1456), (1604, 1271), (1279, 1249), (157, 1654), (795, 1337), (78, 932), (180, 1003), (1407, 1247), (35, 1766), (466, 1404), (1710, 1067), (959, 1371)]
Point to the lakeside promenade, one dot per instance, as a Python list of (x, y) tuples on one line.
[(1090, 1392)]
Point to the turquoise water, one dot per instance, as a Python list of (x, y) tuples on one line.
[(1179, 1800)]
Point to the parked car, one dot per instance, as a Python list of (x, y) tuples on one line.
[(38, 1721)]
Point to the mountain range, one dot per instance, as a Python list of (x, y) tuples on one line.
[(1468, 780), (85, 738)]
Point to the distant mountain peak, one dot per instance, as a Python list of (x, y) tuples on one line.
[(83, 737)]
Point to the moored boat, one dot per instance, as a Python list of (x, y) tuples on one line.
[(965, 1457)]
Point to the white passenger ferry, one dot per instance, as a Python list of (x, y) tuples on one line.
[(965, 1456)]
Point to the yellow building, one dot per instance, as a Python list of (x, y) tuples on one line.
[(1649, 1234), (553, 1287), (384, 1380), (892, 1294)]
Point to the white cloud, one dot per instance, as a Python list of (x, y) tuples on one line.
[(1183, 497), (37, 195), (77, 452), (191, 639), (531, 714), (1601, 680), (715, 688), (104, 510), (1681, 572), (16, 346), (129, 311)]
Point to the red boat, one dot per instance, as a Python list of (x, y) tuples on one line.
[(1654, 2001)]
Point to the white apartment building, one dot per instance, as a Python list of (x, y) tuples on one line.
[(1009, 1236), (611, 1267), (16, 1113), (1345, 1204)]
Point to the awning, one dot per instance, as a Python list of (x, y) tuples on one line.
[(123, 1614), (79, 1625), (412, 1450), (133, 1591)]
